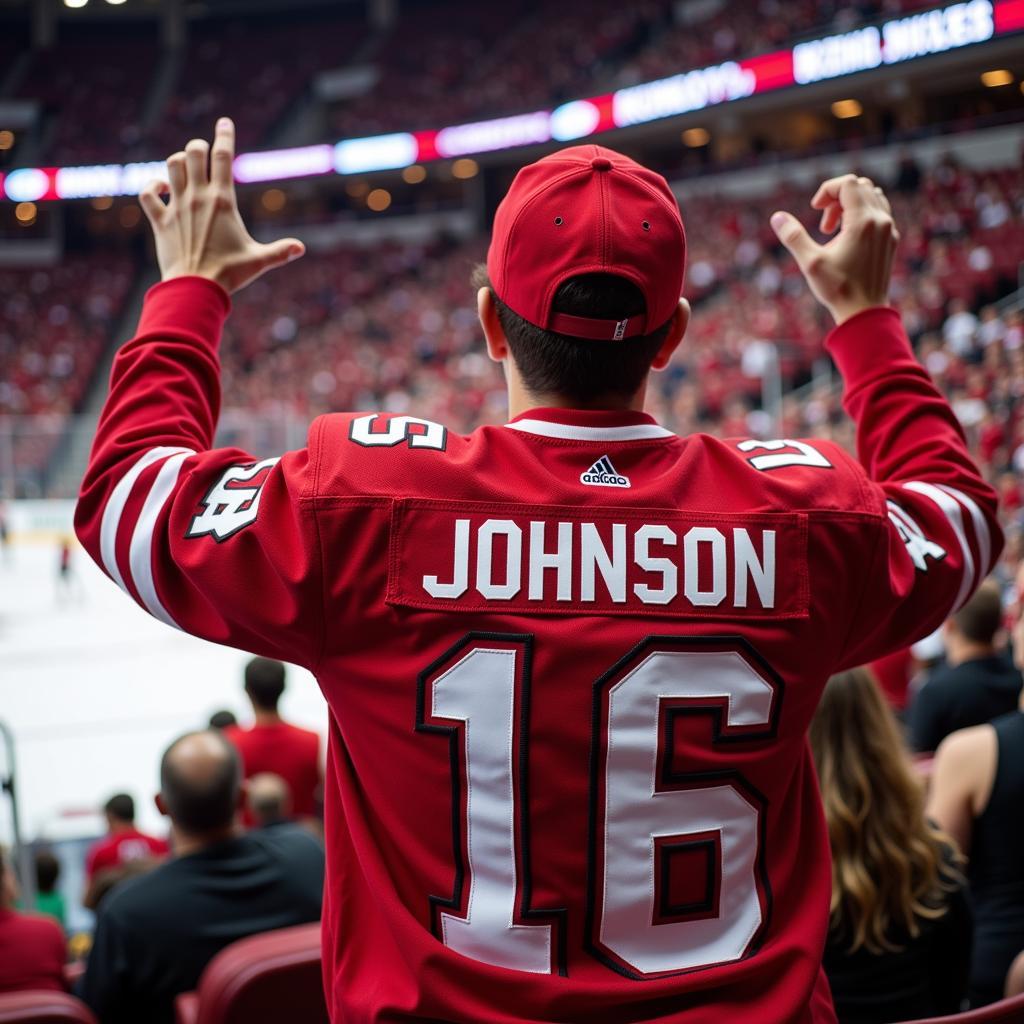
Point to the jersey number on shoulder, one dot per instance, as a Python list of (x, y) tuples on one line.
[(233, 501), (386, 431), (799, 453), (650, 817)]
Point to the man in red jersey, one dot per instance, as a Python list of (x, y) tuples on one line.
[(274, 745), (123, 842), (570, 661)]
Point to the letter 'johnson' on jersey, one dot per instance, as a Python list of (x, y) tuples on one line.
[(568, 778)]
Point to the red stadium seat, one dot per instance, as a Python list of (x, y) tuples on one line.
[(43, 1008), (1006, 1011), (264, 979)]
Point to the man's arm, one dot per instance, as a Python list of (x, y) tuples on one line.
[(214, 541), (934, 533)]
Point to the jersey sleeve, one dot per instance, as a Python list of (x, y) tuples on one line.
[(934, 534), (214, 541)]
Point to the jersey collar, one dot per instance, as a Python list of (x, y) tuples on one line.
[(589, 425)]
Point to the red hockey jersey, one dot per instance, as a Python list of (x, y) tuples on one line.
[(570, 664)]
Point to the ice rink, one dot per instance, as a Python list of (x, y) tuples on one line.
[(94, 690)]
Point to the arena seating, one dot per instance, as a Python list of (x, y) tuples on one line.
[(264, 979), (43, 1008)]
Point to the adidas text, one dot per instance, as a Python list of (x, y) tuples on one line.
[(602, 474)]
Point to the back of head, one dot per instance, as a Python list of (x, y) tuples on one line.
[(47, 871), (222, 720), (120, 807), (264, 682), (269, 798), (200, 782), (979, 619), (887, 861), (584, 372)]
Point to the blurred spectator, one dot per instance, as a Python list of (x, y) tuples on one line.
[(155, 934), (49, 899), (223, 720), (124, 842), (268, 800), (32, 951), (899, 943), (976, 684), (976, 794), (274, 745)]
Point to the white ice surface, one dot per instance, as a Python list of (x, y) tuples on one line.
[(94, 689)]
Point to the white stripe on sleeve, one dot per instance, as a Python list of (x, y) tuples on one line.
[(981, 532), (114, 509), (140, 556), (951, 509)]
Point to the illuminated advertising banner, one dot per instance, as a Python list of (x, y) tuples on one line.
[(896, 41)]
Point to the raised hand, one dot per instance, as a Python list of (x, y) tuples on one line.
[(850, 273), (200, 231)]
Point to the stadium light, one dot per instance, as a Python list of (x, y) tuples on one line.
[(115, 3), (465, 168), (414, 175), (6, 139), (378, 200), (847, 108), (26, 214), (997, 77), (696, 137), (75, 3)]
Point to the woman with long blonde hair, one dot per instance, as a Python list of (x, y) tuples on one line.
[(900, 931)]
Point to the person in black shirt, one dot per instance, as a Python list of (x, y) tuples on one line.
[(156, 934), (899, 942), (976, 794), (976, 685)]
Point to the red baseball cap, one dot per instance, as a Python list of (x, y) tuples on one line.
[(587, 210)]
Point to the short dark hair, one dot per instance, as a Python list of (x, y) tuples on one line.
[(980, 618), (202, 804), (47, 871), (264, 682), (223, 719), (578, 369), (121, 806)]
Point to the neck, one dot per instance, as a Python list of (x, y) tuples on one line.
[(184, 842), (967, 650), (118, 828), (521, 400), (264, 717)]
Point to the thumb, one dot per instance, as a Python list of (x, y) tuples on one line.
[(793, 235), (276, 254)]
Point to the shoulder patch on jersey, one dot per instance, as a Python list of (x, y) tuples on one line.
[(919, 547), (788, 453), (233, 502), (380, 430)]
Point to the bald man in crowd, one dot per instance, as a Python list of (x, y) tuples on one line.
[(155, 934), (269, 800)]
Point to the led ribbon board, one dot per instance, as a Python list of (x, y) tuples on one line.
[(897, 41)]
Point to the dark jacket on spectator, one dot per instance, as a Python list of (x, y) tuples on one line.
[(971, 693), (156, 934)]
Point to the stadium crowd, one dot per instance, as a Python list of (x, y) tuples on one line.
[(534, 58)]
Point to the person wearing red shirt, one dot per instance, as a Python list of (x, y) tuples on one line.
[(124, 842), (32, 950), (274, 745), (570, 661)]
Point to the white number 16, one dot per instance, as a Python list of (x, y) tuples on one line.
[(645, 810)]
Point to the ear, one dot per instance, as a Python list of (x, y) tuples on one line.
[(161, 806), (680, 321), (497, 346)]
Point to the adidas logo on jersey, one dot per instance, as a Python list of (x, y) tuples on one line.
[(603, 474)]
